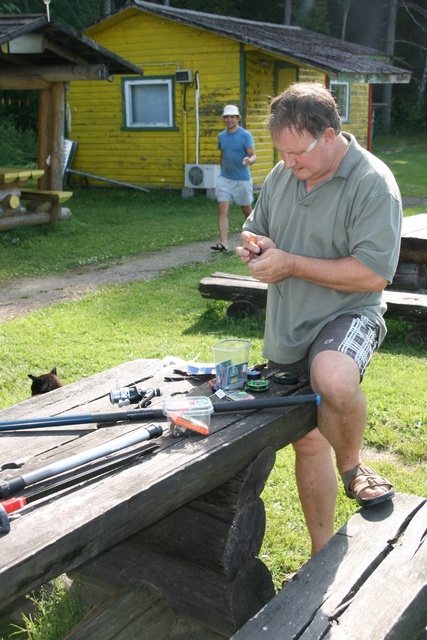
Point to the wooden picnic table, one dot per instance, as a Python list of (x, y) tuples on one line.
[(40, 206), (172, 536)]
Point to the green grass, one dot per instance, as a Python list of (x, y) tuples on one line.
[(407, 158), (109, 224), (56, 611), (167, 316)]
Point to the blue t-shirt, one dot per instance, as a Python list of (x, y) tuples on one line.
[(234, 148)]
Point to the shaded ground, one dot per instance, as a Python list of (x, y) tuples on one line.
[(24, 295)]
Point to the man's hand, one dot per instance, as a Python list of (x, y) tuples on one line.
[(272, 265), (253, 246)]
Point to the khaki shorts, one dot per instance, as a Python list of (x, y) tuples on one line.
[(355, 335)]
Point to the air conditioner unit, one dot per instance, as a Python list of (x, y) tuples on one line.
[(184, 76), (201, 176)]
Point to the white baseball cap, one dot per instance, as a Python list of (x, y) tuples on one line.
[(230, 110)]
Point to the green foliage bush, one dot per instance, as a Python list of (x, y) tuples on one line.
[(18, 147), (409, 115)]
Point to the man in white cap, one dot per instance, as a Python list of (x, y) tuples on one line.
[(234, 184)]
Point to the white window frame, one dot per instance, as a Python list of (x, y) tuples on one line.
[(129, 121), (344, 105)]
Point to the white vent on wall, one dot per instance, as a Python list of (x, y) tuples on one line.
[(201, 176), (184, 76)]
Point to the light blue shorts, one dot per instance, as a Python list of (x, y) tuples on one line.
[(238, 191)]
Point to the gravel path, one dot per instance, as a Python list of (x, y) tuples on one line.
[(24, 295)]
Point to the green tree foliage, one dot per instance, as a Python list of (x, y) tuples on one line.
[(361, 21)]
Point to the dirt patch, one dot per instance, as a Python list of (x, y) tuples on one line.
[(25, 295), (410, 201)]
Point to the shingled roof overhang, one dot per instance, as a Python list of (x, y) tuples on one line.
[(343, 60), (62, 45)]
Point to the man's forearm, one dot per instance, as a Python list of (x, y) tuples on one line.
[(343, 274)]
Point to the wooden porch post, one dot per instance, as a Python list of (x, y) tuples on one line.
[(44, 136), (57, 135)]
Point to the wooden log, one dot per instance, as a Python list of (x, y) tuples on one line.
[(392, 602), (44, 132), (244, 291), (371, 573), (57, 141), (227, 286), (219, 540), (413, 246), (4, 212), (186, 628), (220, 604), (30, 219), (26, 78), (406, 306), (246, 486), (137, 613), (10, 199), (409, 277)]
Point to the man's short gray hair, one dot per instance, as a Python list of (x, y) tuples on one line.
[(304, 106)]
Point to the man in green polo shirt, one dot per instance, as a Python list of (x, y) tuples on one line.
[(325, 235)]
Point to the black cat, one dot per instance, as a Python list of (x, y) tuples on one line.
[(44, 383)]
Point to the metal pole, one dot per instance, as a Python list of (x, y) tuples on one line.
[(154, 414), (118, 182)]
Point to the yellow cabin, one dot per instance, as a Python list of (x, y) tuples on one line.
[(160, 129)]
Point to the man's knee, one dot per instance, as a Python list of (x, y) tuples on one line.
[(335, 376)]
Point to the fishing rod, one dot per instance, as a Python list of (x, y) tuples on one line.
[(154, 414), (96, 470), (16, 485)]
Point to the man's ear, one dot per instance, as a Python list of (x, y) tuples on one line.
[(329, 136)]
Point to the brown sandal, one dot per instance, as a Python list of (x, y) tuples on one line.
[(370, 479)]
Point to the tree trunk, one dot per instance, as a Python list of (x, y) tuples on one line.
[(389, 49), (288, 12)]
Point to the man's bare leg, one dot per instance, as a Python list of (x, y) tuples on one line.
[(341, 420), (247, 210), (223, 222), (342, 414), (317, 486)]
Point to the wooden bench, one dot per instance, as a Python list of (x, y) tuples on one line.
[(406, 297), (54, 199), (369, 582), (249, 295)]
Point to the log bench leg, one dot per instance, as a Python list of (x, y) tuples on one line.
[(201, 558)]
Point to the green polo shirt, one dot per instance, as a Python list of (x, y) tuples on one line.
[(357, 213)]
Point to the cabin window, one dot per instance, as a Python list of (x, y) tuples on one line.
[(148, 103), (341, 92)]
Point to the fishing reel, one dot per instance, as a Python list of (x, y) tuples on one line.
[(133, 395)]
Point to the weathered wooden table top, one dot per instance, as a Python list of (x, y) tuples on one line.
[(61, 531)]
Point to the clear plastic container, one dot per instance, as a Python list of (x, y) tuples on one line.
[(189, 414), (231, 362)]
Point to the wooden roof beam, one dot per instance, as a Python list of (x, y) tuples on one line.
[(42, 77), (63, 53)]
